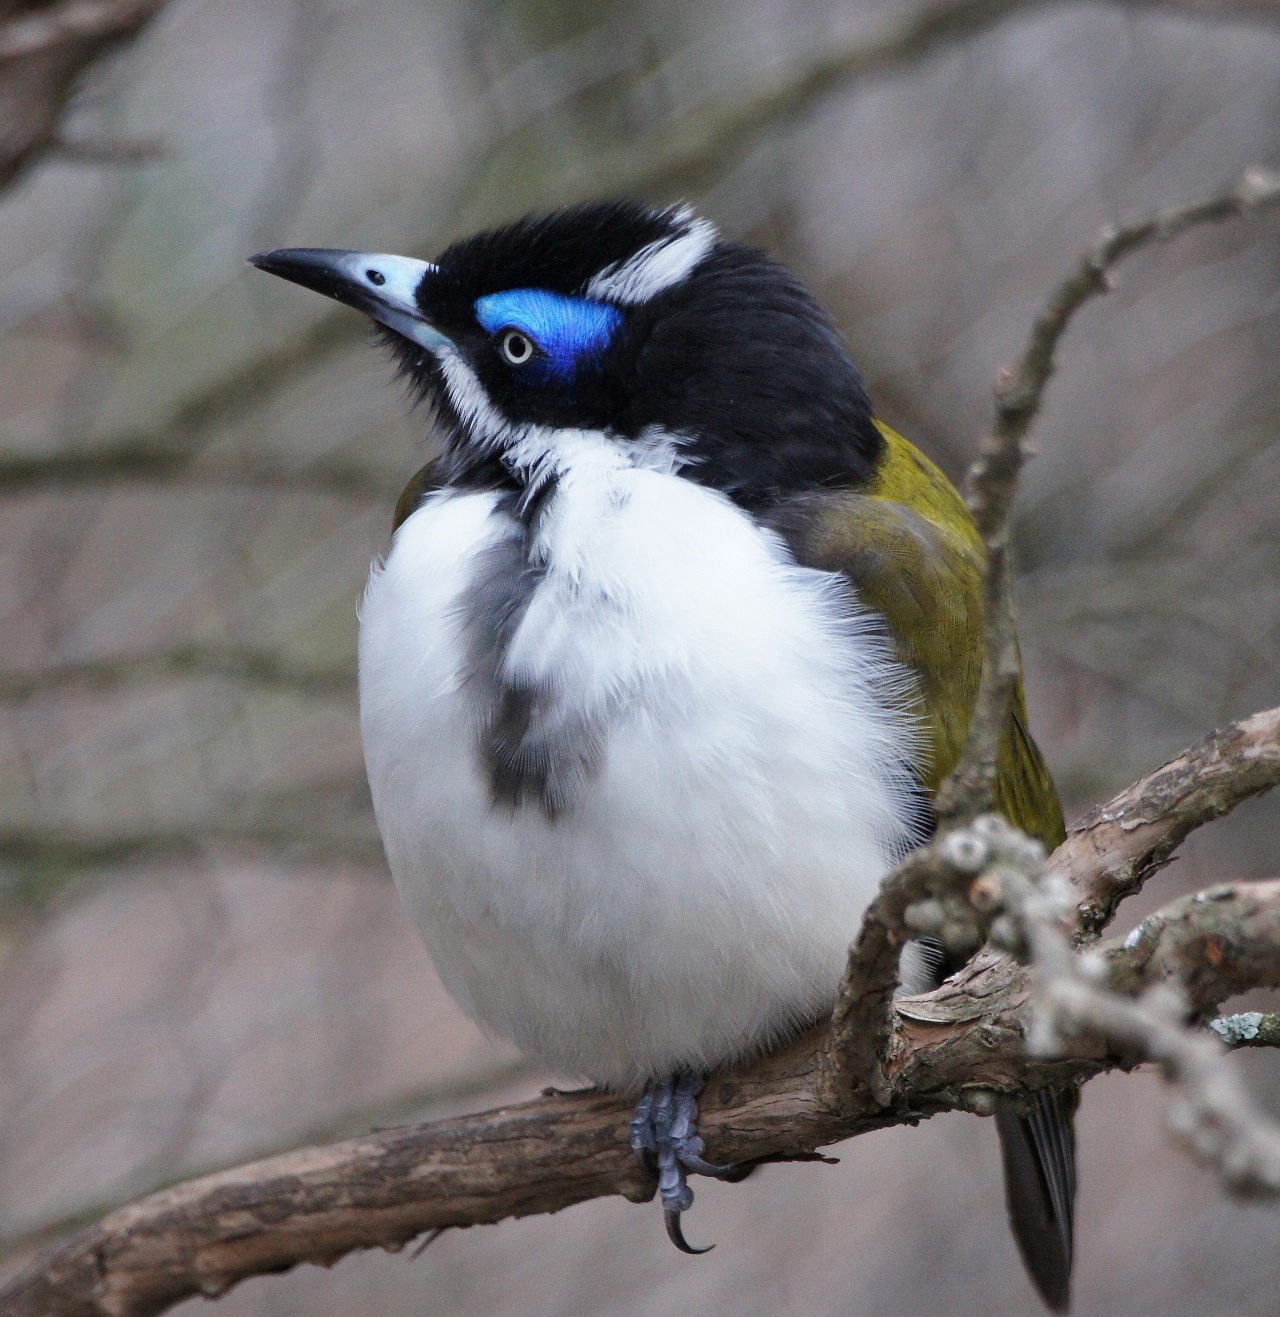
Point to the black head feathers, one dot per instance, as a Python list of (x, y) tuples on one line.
[(621, 318)]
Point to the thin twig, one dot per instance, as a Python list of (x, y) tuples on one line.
[(993, 479)]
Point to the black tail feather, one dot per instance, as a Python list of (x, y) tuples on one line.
[(1039, 1152)]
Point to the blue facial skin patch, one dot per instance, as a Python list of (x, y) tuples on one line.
[(566, 329)]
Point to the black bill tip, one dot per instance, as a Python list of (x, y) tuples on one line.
[(317, 268)]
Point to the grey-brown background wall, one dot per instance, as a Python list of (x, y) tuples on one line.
[(201, 956)]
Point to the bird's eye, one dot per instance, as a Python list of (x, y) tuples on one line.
[(517, 348), (375, 277)]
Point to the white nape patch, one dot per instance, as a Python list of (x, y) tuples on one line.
[(657, 267), (697, 900)]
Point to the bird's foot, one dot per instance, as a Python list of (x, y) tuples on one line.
[(664, 1131)]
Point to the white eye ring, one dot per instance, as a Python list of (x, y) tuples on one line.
[(517, 348)]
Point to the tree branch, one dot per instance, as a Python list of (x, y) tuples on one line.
[(250, 667), (54, 26), (43, 50), (698, 143), (1115, 848), (301, 827), (405, 1107), (1248, 1029), (94, 151), (957, 1048), (176, 463)]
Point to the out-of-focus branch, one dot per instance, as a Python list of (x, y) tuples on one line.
[(686, 152), (142, 461), (248, 667), (1115, 848), (43, 50), (91, 151), (291, 831), (50, 27)]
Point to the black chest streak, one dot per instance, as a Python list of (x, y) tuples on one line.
[(536, 751)]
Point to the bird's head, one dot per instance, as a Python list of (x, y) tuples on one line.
[(622, 320)]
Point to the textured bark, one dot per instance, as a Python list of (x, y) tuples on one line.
[(955, 1049), (1115, 848)]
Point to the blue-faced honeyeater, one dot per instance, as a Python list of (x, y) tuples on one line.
[(674, 643)]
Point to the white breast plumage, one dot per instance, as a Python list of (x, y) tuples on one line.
[(638, 774)]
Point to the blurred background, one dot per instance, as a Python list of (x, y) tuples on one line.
[(201, 955)]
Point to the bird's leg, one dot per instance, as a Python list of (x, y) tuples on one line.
[(664, 1130)]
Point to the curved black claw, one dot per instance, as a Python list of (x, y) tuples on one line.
[(675, 1232), (664, 1130)]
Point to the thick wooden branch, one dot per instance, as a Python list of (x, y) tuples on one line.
[(1115, 848), (955, 1049)]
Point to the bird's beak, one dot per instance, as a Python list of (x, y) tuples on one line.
[(381, 286)]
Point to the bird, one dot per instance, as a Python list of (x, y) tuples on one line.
[(674, 643)]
